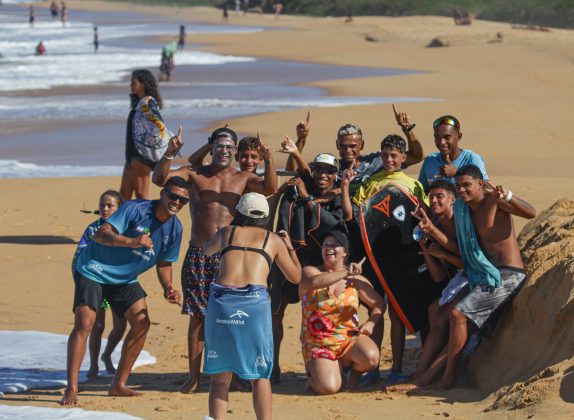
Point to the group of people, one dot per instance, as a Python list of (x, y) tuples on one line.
[(241, 271)]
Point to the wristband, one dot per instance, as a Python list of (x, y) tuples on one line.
[(309, 198), (508, 196), (409, 128), (169, 158)]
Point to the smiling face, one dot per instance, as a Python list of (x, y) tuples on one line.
[(324, 176), (248, 160), (446, 139), (350, 147), (333, 252), (392, 159), (173, 199), (441, 201), (468, 188), (222, 151)]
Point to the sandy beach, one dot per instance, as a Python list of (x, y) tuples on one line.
[(514, 101)]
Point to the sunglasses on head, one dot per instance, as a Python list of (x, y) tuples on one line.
[(174, 197), (448, 120)]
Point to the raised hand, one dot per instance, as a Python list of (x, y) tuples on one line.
[(425, 224), (287, 146), (348, 176), (499, 191), (263, 149), (175, 143), (402, 118), (300, 185), (303, 127), (448, 170), (355, 268)]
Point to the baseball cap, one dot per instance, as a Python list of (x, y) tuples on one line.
[(325, 159), (341, 237), (253, 205)]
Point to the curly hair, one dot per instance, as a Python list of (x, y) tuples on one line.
[(394, 141), (150, 87), (248, 143)]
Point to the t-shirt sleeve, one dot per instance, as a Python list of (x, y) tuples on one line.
[(478, 161), (171, 252), (120, 220), (360, 195), (420, 192)]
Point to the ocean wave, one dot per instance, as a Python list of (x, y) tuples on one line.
[(17, 169)]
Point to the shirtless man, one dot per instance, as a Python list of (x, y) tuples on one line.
[(215, 190), (492, 262)]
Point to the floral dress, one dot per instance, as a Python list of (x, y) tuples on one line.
[(326, 321)]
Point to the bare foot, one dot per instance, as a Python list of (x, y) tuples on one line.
[(120, 390), (70, 397), (107, 359), (93, 373), (189, 386)]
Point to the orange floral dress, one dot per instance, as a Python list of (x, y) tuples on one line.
[(325, 323)]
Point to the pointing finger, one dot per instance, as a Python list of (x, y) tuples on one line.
[(308, 119), (362, 261), (395, 111)]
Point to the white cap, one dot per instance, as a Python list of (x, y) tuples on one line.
[(326, 159), (253, 205)]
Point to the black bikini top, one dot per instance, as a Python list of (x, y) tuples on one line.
[(260, 251)]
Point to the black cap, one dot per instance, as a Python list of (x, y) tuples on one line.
[(341, 237), (223, 132)]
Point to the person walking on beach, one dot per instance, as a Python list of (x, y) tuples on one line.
[(141, 234), (54, 9), (181, 38), (238, 315), (63, 13), (96, 39), (225, 14), (215, 190), (146, 135), (110, 201)]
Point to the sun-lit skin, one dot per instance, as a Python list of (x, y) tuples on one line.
[(392, 159), (222, 151), (468, 188), (446, 139), (324, 177), (441, 201), (170, 206), (108, 206), (137, 87), (350, 149), (248, 160), (333, 253)]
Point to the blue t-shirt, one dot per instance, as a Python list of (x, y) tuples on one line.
[(433, 162), (122, 265)]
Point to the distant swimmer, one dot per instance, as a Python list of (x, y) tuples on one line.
[(54, 10), (31, 16), (40, 48), (63, 13), (181, 38)]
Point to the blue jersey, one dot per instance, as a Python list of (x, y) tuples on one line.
[(122, 265), (86, 239), (433, 162)]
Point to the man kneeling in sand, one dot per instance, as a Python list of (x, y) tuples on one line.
[(141, 234)]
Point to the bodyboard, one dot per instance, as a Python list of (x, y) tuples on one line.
[(386, 226)]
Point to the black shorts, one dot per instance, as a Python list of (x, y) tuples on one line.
[(91, 293)]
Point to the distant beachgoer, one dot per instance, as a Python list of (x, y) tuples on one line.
[(225, 15), (181, 38), (331, 336), (277, 8), (110, 201), (31, 16), (349, 18), (40, 48), (444, 163), (54, 9), (166, 66), (140, 235), (63, 13), (146, 135), (245, 6), (237, 7), (96, 39), (238, 314), (499, 38)]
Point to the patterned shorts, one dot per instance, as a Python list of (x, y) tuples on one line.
[(197, 274)]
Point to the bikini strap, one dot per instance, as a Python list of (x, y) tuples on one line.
[(265, 241), (230, 240)]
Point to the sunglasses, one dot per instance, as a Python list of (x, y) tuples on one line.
[(174, 197), (325, 170), (448, 120)]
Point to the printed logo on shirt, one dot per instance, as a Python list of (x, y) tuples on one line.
[(165, 240), (96, 267), (260, 361), (142, 229), (400, 213), (239, 314), (212, 354)]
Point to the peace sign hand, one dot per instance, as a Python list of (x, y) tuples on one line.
[(263, 149), (425, 224), (175, 143), (287, 146)]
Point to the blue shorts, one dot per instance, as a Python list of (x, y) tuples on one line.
[(238, 332)]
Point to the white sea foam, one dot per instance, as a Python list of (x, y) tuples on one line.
[(16, 169), (27, 412), (71, 61)]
